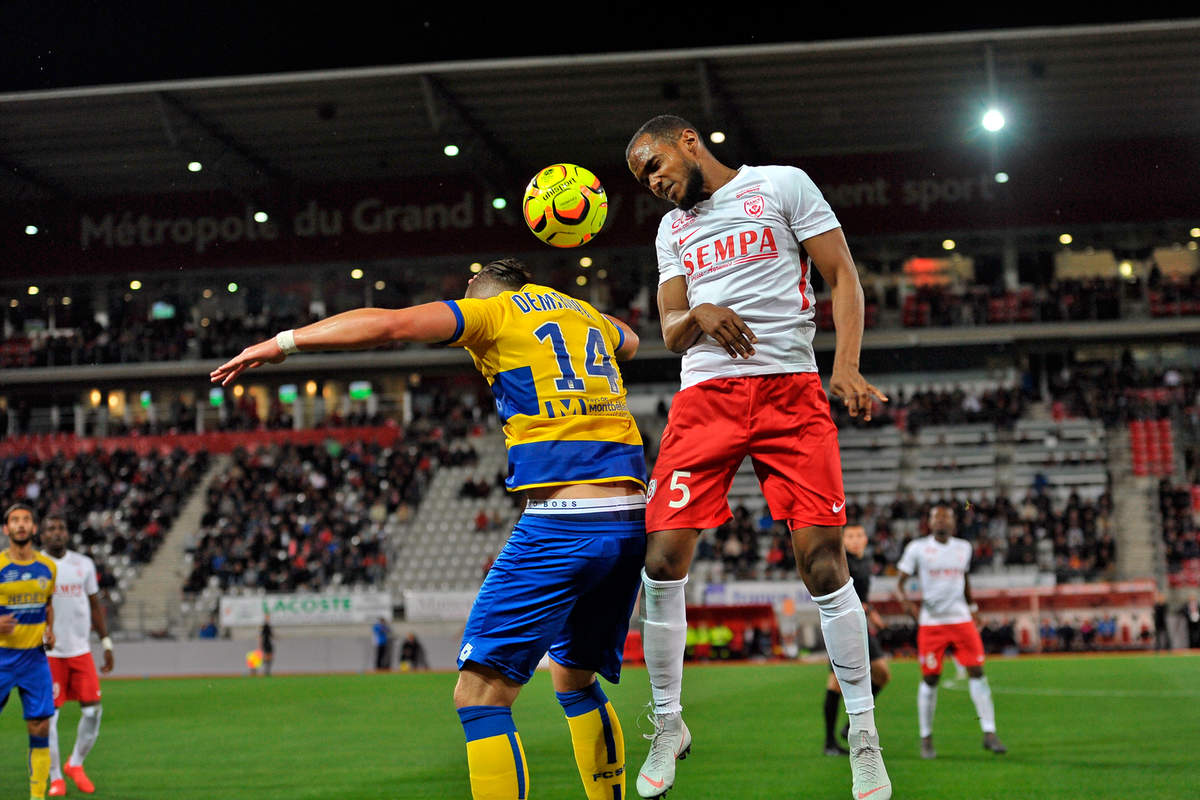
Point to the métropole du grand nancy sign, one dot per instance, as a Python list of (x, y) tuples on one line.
[(1049, 184), (332, 608)]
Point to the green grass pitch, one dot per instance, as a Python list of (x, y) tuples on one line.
[(1090, 727)]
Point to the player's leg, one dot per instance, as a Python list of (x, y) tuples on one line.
[(83, 685), (664, 608), (931, 649), (36, 688), (702, 448), (593, 642), (520, 610), (833, 701), (495, 756), (795, 451), (59, 674), (968, 651)]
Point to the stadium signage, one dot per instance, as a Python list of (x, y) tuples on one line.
[(306, 609)]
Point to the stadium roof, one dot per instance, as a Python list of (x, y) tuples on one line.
[(778, 102)]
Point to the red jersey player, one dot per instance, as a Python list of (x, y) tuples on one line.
[(947, 618), (735, 260)]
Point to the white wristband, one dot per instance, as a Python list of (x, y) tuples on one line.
[(106, 643), (287, 342)]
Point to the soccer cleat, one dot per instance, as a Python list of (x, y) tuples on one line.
[(992, 742), (76, 774), (671, 740), (835, 749), (866, 765), (927, 750), (58, 788)]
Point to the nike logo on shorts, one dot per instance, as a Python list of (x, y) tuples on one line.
[(839, 506)]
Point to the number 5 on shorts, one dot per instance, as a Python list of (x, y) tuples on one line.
[(685, 494)]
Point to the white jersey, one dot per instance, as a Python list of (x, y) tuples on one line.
[(942, 570), (72, 611), (741, 248)]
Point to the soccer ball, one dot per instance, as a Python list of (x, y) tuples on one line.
[(565, 205)]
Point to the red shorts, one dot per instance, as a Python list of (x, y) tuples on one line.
[(75, 678), (781, 421), (932, 641)]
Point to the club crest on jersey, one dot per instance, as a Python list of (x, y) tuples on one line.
[(754, 206)]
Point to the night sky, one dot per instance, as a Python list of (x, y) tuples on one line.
[(54, 43)]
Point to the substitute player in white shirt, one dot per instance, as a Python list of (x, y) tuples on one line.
[(77, 612), (735, 261), (947, 618)]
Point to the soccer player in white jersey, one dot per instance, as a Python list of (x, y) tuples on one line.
[(947, 617), (77, 612), (735, 260)]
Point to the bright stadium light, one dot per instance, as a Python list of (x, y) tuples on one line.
[(32, 290), (1001, 177), (356, 273), (232, 288), (585, 262), (379, 286), (135, 284), (717, 137), (948, 244), (31, 230), (1066, 238), (261, 216), (476, 267), (993, 120), (581, 280), (195, 166), (450, 150), (499, 203), (66, 301), (1194, 233)]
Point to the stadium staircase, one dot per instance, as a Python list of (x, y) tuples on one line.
[(152, 602), (1135, 508), (439, 549)]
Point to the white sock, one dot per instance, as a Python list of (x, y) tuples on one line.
[(926, 705), (844, 626), (85, 737), (981, 696), (664, 636), (55, 758)]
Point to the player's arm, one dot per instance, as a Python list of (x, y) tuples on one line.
[(682, 325), (629, 340), (48, 636), (873, 616), (360, 329), (972, 606), (906, 601), (100, 626), (831, 255)]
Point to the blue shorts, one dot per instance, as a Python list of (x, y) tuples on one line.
[(564, 583), (29, 672)]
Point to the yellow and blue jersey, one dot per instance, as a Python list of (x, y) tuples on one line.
[(26, 590), (550, 361)]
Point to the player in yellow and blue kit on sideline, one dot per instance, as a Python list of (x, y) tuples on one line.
[(26, 628), (568, 577)]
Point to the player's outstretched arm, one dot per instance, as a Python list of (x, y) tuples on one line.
[(831, 254), (360, 329), (682, 325)]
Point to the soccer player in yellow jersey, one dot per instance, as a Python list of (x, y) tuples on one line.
[(26, 627), (566, 581)]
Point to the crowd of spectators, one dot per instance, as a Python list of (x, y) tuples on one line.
[(118, 505), (287, 517)]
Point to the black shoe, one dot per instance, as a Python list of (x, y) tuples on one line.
[(835, 749), (993, 743)]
